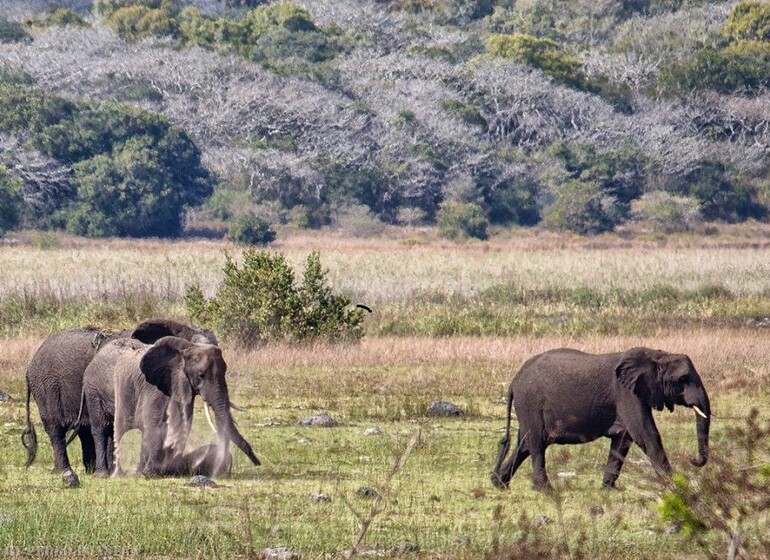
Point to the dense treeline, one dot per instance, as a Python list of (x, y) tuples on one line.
[(578, 116)]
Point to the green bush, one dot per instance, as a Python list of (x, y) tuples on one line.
[(260, 301), (456, 220), (250, 229), (139, 22), (10, 201), (665, 212), (545, 54), (58, 17), (582, 207), (748, 20), (11, 31)]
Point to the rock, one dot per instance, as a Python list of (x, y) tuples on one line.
[(461, 540), (597, 510), (367, 492), (70, 479), (443, 408), (279, 553), (541, 521), (406, 548), (200, 481), (320, 420), (5, 397), (566, 474), (372, 432), (320, 497)]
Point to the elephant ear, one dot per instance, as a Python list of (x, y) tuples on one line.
[(638, 372), (673, 369), (160, 363)]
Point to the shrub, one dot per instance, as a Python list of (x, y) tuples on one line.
[(11, 31), (259, 301), (139, 22), (457, 220), (582, 207), (667, 213), (10, 201), (545, 54), (748, 20), (250, 229)]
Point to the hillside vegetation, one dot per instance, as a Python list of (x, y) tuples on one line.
[(577, 116)]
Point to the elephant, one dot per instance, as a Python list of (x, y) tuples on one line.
[(566, 396), (152, 387), (55, 380)]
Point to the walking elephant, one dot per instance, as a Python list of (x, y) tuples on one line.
[(567, 396), (55, 380), (130, 385)]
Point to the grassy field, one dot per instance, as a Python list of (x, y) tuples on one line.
[(426, 340)]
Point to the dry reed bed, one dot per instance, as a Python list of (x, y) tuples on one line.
[(383, 271)]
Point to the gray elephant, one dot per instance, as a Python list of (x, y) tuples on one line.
[(55, 380), (153, 388), (567, 396)]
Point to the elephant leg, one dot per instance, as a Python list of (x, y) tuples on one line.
[(101, 445), (511, 465), (618, 450), (648, 439), (152, 454), (57, 435), (88, 447), (539, 476)]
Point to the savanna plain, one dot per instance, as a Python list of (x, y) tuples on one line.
[(450, 321)]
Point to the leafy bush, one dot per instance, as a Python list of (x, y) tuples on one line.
[(722, 194), (11, 31), (457, 220), (544, 54), (582, 207), (10, 201), (748, 20), (139, 22), (259, 301), (250, 229), (133, 174), (667, 213), (58, 17)]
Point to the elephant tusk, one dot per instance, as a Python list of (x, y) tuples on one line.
[(699, 411), (208, 417)]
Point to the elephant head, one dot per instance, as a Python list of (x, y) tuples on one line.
[(152, 330), (661, 379), (181, 370)]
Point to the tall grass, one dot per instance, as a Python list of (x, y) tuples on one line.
[(450, 322)]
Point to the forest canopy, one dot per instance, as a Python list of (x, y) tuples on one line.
[(121, 117)]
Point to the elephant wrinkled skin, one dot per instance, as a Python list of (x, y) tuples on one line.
[(567, 396), (130, 385)]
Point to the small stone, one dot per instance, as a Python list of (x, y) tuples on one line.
[(201, 481), (367, 492), (372, 432), (566, 474), (5, 397), (443, 408), (320, 497), (406, 548), (70, 479), (320, 420), (461, 540), (279, 553), (597, 510), (541, 521)]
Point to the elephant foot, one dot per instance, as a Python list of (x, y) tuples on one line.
[(498, 482), (101, 473), (542, 485)]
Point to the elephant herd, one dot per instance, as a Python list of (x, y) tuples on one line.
[(98, 386)]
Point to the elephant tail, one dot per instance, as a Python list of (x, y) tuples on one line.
[(505, 444), (29, 436), (76, 427)]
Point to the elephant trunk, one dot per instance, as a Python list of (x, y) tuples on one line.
[(227, 429), (699, 402)]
